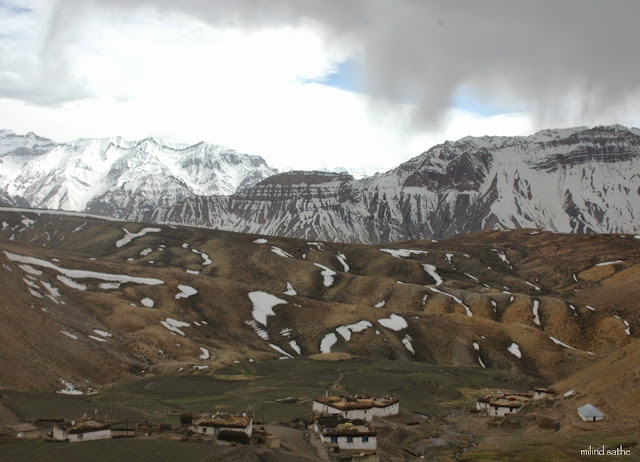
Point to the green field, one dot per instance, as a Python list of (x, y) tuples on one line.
[(115, 450), (430, 390)]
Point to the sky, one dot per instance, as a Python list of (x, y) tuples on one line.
[(316, 83)]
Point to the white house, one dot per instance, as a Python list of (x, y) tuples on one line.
[(219, 423), (482, 404), (346, 435), (359, 407), (347, 408), (541, 393), (502, 407), (590, 413), (83, 430), (383, 407)]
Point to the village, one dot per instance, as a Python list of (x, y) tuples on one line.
[(346, 427), (342, 425), (500, 405)]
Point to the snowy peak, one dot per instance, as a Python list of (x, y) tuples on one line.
[(578, 180), (571, 180), (120, 176), (23, 144)]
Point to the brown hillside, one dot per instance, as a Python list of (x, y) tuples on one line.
[(62, 326)]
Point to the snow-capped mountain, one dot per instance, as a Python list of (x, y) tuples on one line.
[(570, 180), (116, 177), (357, 172)]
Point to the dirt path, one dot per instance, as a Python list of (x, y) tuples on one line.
[(298, 441)]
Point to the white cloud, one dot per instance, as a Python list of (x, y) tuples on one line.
[(184, 80)]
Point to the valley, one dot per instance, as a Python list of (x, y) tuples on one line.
[(106, 312)]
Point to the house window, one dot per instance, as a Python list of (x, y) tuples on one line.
[(349, 439), (334, 439), (365, 439)]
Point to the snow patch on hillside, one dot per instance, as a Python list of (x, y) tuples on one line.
[(279, 251), (558, 342), (607, 263), (290, 290), (403, 253), (536, 318), (343, 261), (431, 271), (174, 325), (205, 258), (456, 299), (327, 275), (294, 346), (102, 333), (129, 236), (406, 340), (82, 274), (29, 269), (281, 351), (185, 291), (327, 342), (205, 353), (263, 304), (394, 322), (514, 349), (532, 285), (71, 283), (359, 326)]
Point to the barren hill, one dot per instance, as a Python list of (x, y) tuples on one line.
[(87, 302)]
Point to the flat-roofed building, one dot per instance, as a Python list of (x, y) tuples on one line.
[(345, 434), (503, 406), (358, 407), (221, 423), (82, 430)]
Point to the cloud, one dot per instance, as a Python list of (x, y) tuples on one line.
[(309, 83), (548, 56), (34, 58)]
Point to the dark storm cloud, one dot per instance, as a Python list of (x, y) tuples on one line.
[(542, 54)]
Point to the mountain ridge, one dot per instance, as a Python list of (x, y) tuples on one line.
[(113, 170), (566, 180)]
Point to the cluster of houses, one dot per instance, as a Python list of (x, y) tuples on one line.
[(510, 403), (224, 427), (343, 424)]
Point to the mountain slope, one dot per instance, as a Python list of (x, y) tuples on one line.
[(117, 177), (575, 180), (97, 300)]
